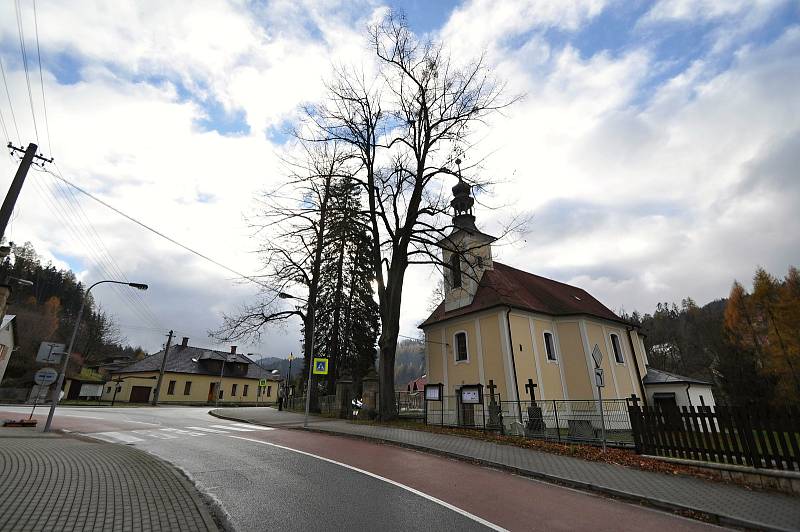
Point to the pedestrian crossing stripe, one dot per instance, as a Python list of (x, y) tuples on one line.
[(171, 433)]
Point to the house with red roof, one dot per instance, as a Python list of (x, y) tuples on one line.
[(501, 324)]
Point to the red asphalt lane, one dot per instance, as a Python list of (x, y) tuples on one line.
[(507, 500)]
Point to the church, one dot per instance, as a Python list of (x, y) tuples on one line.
[(502, 324)]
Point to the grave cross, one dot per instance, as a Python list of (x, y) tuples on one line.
[(491, 387), (531, 389)]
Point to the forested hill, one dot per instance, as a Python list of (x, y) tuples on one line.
[(409, 362), (748, 345), (46, 312)]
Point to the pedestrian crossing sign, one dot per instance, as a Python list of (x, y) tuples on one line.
[(320, 366)]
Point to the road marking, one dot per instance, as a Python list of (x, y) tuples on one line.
[(140, 422), (75, 415), (431, 498), (250, 427), (184, 432), (229, 427), (115, 436), (206, 429), (155, 434)]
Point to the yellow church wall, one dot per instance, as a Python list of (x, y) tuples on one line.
[(493, 366), (551, 370), (524, 355), (466, 372), (433, 355), (641, 356), (573, 358), (614, 378)]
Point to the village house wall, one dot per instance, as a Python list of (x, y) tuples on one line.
[(198, 392)]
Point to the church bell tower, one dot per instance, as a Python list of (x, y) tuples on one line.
[(466, 251)]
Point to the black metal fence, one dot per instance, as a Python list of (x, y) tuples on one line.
[(581, 421), (758, 437)]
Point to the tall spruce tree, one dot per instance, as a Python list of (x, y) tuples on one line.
[(347, 314)]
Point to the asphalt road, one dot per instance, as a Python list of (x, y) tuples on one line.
[(293, 480)]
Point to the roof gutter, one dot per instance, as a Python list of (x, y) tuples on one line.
[(630, 329), (513, 363)]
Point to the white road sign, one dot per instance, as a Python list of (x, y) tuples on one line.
[(50, 352), (599, 380), (45, 376), (597, 355)]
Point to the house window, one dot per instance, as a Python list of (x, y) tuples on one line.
[(617, 350), (187, 388), (455, 270), (233, 390), (259, 391), (108, 389), (269, 391), (461, 347), (171, 388), (549, 346), (244, 391), (220, 393)]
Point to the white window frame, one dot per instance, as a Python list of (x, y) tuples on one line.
[(455, 347), (555, 349), (619, 344)]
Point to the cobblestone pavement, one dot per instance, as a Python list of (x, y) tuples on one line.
[(54, 483), (731, 504)]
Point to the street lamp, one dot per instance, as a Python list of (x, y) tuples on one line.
[(309, 326), (57, 390)]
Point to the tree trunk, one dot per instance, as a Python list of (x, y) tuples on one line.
[(390, 321)]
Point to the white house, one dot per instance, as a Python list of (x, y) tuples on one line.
[(669, 390), (8, 341)]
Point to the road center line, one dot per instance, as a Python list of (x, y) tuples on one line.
[(431, 498)]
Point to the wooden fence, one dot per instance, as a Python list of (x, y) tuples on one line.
[(757, 437)]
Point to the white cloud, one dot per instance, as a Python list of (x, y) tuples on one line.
[(640, 193)]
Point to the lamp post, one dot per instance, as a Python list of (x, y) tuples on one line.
[(57, 390), (284, 295)]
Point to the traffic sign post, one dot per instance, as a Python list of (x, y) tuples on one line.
[(599, 381), (43, 377), (320, 366)]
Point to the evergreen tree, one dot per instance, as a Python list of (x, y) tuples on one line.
[(347, 314)]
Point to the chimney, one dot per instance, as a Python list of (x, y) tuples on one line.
[(185, 341), (233, 349)]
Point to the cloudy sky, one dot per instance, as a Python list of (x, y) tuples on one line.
[(657, 147)]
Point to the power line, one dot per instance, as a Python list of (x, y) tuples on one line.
[(103, 252), (21, 34), (162, 235), (80, 237), (41, 79), (8, 95)]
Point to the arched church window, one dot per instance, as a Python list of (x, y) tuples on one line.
[(455, 270), (549, 346), (461, 347), (617, 349)]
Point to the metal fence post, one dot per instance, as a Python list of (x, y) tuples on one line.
[(558, 426)]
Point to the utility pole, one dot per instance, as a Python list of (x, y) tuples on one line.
[(29, 155), (161, 373)]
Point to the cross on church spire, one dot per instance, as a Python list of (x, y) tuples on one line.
[(462, 203)]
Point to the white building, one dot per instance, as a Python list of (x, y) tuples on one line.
[(669, 390)]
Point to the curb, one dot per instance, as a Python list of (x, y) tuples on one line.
[(694, 513)]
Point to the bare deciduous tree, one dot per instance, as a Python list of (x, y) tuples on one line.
[(405, 128)]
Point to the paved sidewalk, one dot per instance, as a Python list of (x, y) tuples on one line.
[(55, 482), (730, 504)]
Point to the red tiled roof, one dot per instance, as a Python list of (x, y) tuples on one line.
[(507, 286)]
